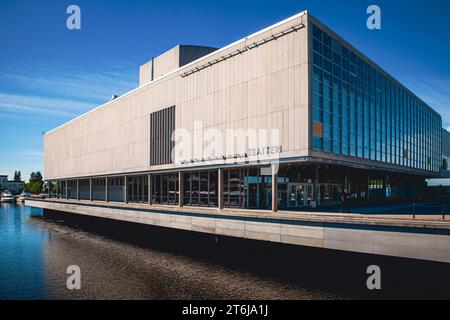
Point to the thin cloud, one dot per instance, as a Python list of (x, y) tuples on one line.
[(95, 86), (54, 94), (23, 153), (15, 103)]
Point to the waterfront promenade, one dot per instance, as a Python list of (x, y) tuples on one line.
[(425, 237)]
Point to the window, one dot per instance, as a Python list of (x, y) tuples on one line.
[(200, 189), (165, 189)]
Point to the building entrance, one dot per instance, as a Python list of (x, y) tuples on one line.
[(299, 195)]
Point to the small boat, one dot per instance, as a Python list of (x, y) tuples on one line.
[(7, 197), (23, 196)]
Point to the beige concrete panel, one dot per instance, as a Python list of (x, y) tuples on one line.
[(263, 231), (443, 255), (167, 62), (349, 239), (162, 220), (405, 239), (207, 225), (363, 247), (302, 231), (145, 219), (181, 222), (233, 228), (405, 251), (356, 235), (248, 90), (309, 242)]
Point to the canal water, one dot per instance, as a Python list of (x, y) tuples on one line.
[(35, 253), (128, 261)]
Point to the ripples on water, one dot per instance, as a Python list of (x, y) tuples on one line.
[(126, 261), (36, 251)]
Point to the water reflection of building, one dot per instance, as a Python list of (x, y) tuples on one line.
[(344, 123)]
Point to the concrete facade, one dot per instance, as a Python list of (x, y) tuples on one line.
[(265, 87), (170, 61)]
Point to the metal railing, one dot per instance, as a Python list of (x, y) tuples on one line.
[(442, 206)]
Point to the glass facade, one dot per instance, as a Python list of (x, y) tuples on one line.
[(200, 189), (71, 189), (359, 111), (247, 188), (137, 189), (298, 186), (165, 189), (84, 189), (115, 189), (98, 189)]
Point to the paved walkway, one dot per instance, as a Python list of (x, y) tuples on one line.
[(421, 210), (397, 208), (367, 215)]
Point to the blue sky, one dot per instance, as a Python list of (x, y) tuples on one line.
[(49, 74)]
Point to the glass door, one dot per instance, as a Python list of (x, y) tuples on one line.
[(299, 195), (308, 194)]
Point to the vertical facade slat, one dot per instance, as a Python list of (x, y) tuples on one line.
[(162, 124)]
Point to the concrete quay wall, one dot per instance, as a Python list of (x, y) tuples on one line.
[(399, 240)]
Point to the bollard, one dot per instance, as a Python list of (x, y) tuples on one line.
[(443, 211), (414, 210)]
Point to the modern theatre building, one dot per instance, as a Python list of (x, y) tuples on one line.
[(285, 118)]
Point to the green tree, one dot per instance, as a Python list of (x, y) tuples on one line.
[(35, 187), (17, 176), (36, 177), (35, 184)]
